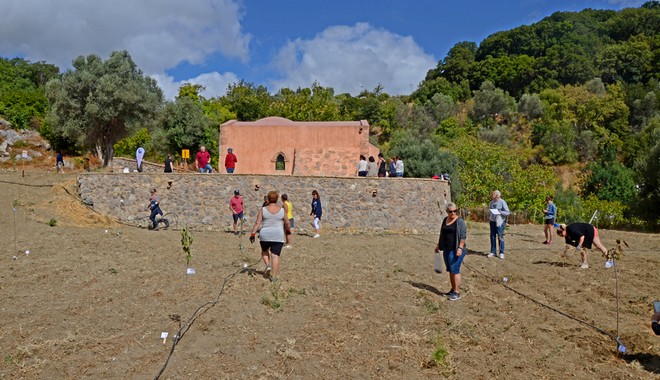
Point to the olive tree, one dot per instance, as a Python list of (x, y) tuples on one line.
[(100, 102)]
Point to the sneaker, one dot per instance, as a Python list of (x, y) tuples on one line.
[(502, 256), (454, 296), (450, 292), (274, 279), (317, 236), (491, 255), (609, 264), (267, 270), (584, 266), (546, 242), (288, 246)]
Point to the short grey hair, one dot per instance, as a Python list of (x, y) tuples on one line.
[(450, 205), (497, 193)]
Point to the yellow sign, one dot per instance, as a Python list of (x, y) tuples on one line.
[(185, 153)]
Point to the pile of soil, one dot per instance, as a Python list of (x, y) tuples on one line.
[(92, 297)]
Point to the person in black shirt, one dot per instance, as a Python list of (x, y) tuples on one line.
[(168, 164), (582, 235), (452, 244)]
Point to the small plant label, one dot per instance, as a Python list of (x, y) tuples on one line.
[(163, 336), (190, 271)]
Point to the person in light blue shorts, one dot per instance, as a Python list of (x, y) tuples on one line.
[(452, 244), (549, 219)]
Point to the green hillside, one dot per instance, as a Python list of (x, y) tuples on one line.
[(568, 106)]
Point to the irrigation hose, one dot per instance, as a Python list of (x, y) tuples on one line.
[(621, 347), (201, 310)]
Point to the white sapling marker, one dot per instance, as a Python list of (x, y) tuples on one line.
[(163, 336)]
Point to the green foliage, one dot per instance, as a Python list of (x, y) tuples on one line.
[(128, 145), (647, 168), (186, 242), (247, 101), (52, 222), (490, 101), (499, 134), (315, 104), (217, 112), (531, 106), (415, 119), (451, 129), (440, 354), (569, 206), (183, 125), (558, 140), (423, 159), (191, 91), (610, 181), (23, 99), (610, 213), (274, 302), (485, 167), (100, 102)]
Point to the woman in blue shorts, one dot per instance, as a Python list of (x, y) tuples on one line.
[(452, 245)]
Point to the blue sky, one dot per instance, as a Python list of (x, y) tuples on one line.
[(349, 45)]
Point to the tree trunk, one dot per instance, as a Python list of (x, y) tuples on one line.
[(106, 151)]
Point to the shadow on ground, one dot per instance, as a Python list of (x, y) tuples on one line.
[(426, 287), (650, 362)]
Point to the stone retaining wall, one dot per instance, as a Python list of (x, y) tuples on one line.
[(202, 200)]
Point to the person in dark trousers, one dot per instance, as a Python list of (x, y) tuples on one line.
[(154, 206), (168, 164), (382, 165), (583, 235), (230, 161), (317, 211), (392, 167), (452, 244), (59, 162), (655, 323)]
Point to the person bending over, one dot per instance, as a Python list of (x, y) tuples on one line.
[(582, 235)]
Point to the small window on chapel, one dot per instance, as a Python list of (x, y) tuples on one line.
[(279, 162)]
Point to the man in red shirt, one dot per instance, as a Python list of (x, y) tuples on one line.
[(236, 207), (202, 160), (230, 161)]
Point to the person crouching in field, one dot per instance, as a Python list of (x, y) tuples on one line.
[(452, 244), (582, 235)]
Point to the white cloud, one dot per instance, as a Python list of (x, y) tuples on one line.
[(215, 84), (159, 34), (354, 58)]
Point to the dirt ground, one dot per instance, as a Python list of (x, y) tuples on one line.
[(92, 298)]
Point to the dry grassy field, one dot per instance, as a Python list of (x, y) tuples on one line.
[(92, 297)]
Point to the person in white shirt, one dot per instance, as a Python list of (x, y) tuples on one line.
[(399, 167)]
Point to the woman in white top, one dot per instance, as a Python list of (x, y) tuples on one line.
[(362, 167), (274, 225)]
